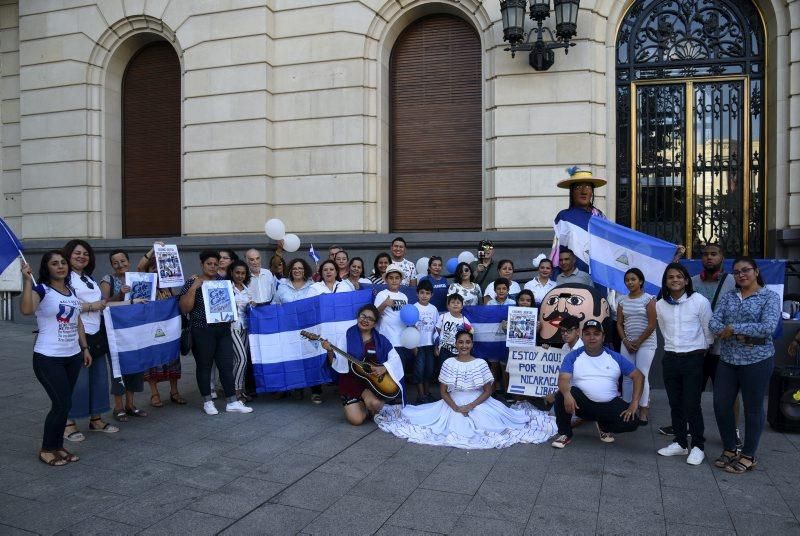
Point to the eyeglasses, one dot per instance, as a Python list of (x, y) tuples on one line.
[(87, 282), (366, 318), (743, 271)]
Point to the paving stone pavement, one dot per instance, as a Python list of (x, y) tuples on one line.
[(291, 467)]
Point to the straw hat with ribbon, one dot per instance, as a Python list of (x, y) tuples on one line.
[(580, 176)]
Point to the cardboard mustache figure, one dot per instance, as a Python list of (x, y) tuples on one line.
[(580, 301)]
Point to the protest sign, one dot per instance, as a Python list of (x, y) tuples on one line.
[(168, 265), (521, 327), (143, 285), (219, 302), (533, 371)]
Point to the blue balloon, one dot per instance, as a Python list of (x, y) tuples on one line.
[(451, 265), (409, 315)]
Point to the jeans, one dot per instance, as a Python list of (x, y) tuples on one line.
[(58, 376), (607, 414), (753, 381), (423, 365), (683, 380), (213, 345), (90, 394)]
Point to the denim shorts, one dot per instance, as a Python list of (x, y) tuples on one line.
[(424, 363)]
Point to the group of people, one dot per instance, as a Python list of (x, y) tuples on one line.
[(715, 325)]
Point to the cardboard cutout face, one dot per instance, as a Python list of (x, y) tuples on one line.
[(580, 301)]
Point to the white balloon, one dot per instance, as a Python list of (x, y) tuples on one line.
[(291, 243), (275, 229), (409, 337), (466, 256), (422, 266)]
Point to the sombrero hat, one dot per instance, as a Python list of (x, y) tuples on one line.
[(577, 175)]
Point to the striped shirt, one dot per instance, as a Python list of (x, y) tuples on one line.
[(634, 312)]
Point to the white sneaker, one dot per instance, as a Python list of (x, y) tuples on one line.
[(674, 449), (210, 408), (237, 407), (696, 456)]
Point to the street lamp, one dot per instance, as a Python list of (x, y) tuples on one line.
[(541, 53)]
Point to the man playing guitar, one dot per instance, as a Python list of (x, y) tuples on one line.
[(380, 363)]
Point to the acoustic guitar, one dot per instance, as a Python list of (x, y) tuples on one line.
[(381, 384)]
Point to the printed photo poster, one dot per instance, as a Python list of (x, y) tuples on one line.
[(521, 327), (168, 266), (219, 302), (534, 371), (143, 285)]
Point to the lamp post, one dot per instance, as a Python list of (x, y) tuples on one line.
[(541, 56)]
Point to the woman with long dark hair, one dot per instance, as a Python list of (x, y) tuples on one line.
[(382, 261), (239, 274), (464, 285), (356, 273), (91, 392), (683, 317), (60, 349), (745, 320)]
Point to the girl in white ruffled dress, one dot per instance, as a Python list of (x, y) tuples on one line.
[(466, 416)]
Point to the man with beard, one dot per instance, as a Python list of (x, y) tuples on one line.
[(572, 300)]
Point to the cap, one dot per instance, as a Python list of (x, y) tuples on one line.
[(394, 267), (578, 176), (592, 323)]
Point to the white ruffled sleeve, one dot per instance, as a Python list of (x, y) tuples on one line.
[(447, 375)]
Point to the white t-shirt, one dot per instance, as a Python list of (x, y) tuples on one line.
[(391, 325), (57, 320), (320, 287), (578, 344), (448, 326), (91, 320), (512, 292), (428, 316), (597, 376), (539, 290)]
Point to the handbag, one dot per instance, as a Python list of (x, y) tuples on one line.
[(186, 336)]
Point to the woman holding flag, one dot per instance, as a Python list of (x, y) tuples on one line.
[(60, 350)]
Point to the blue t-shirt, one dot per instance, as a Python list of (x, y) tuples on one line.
[(439, 297)]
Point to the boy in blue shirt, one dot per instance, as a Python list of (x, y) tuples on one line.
[(439, 283)]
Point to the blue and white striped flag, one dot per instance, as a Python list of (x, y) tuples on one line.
[(282, 359), (773, 271), (614, 248), (143, 335), (490, 339), (313, 254)]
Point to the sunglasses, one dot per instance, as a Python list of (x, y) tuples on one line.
[(87, 282)]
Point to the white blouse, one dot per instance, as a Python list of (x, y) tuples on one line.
[(465, 376)]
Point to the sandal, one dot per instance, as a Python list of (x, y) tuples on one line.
[(67, 455), (725, 459), (55, 461), (106, 428), (155, 401), (737, 467), (135, 412), (177, 398), (120, 415), (76, 436)]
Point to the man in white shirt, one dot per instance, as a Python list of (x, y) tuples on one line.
[(588, 388), (262, 282), (683, 317), (408, 268), (569, 270)]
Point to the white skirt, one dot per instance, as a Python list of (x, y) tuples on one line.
[(490, 425)]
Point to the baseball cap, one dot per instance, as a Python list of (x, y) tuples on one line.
[(592, 323), (394, 267)]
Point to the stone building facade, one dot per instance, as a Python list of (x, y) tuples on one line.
[(285, 112)]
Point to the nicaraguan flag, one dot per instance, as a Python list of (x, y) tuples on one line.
[(282, 359), (10, 245), (313, 254), (615, 248), (571, 227), (143, 335), (490, 338), (773, 271)]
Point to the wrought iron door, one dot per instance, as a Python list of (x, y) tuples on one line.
[(690, 123)]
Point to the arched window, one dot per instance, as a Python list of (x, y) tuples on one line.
[(151, 143), (435, 126), (690, 123)]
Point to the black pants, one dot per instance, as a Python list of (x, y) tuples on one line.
[(213, 345), (684, 381), (58, 376), (607, 414)]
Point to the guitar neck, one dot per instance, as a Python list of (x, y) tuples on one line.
[(349, 357)]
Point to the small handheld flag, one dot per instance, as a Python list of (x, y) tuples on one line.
[(313, 254)]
